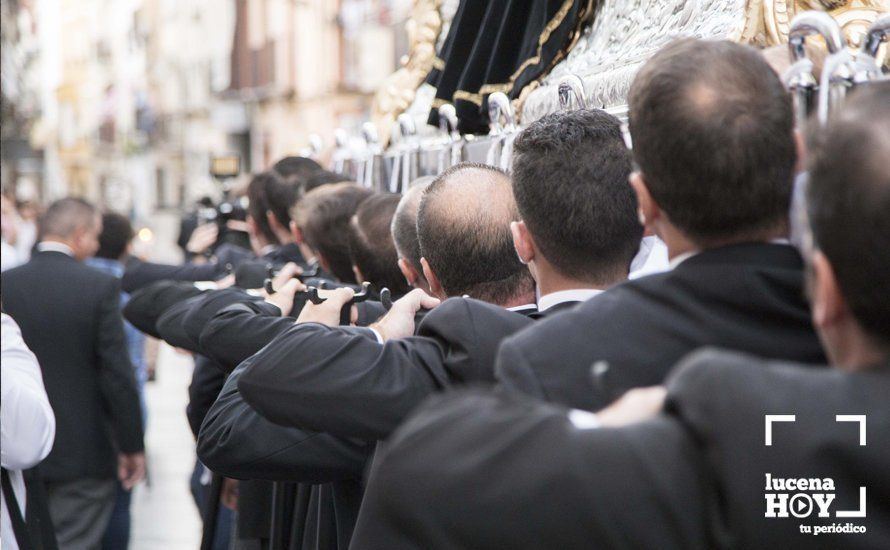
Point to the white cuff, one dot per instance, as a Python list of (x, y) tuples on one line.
[(583, 420), (377, 335)]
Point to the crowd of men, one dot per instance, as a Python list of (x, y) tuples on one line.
[(482, 362)]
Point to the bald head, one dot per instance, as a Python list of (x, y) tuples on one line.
[(463, 227), (404, 223)]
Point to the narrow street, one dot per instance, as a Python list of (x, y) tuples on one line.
[(164, 513)]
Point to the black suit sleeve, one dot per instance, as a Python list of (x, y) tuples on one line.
[(147, 304), (116, 377), (513, 371), (140, 274), (202, 310), (238, 331), (336, 381), (171, 325), (341, 381), (548, 483), (237, 442), (207, 381)]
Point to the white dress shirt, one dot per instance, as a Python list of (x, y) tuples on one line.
[(547, 301), (53, 246), (651, 258), (27, 420)]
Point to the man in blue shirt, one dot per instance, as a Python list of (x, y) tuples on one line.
[(114, 247)]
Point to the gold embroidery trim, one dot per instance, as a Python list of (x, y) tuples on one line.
[(506, 86)]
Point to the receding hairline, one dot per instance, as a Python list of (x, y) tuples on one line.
[(467, 193)]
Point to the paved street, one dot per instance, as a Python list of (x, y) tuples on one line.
[(164, 513)]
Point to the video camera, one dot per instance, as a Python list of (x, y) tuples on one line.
[(222, 169)]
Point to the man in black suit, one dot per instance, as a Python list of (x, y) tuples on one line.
[(703, 472), (577, 232), (336, 463), (463, 230), (70, 318), (713, 137)]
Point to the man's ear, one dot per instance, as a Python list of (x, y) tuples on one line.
[(647, 208), (800, 145), (523, 242), (295, 231), (252, 226), (273, 221), (435, 285), (826, 300), (411, 275)]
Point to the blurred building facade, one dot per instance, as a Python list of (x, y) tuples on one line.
[(124, 101)]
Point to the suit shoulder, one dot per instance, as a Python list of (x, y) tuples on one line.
[(708, 369), (475, 315), (713, 383)]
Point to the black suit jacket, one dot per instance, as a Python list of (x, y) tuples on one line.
[(343, 382), (745, 297), (140, 273), (723, 398), (474, 469), (237, 442), (234, 338), (70, 317), (147, 304)]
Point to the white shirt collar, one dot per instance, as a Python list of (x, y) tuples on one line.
[(679, 259), (522, 307), (572, 295), (53, 246)]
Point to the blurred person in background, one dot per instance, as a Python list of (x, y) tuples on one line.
[(28, 430), (70, 317), (10, 220), (29, 212), (115, 245)]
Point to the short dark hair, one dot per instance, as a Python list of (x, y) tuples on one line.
[(117, 232), (323, 215), (712, 130), (294, 167), (570, 182), (258, 203), (371, 246), (65, 216), (849, 203), (463, 226), (281, 195), (323, 177), (404, 222)]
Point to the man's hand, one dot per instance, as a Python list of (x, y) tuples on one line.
[(130, 469), (285, 274), (228, 497), (399, 321), (202, 238), (327, 312), (284, 297), (635, 405)]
